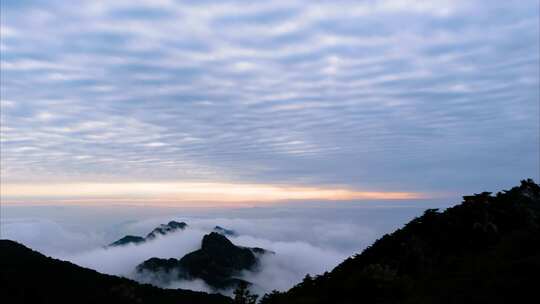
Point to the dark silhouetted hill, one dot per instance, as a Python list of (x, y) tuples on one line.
[(485, 250), (216, 263), (27, 276)]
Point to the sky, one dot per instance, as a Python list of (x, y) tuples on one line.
[(196, 101)]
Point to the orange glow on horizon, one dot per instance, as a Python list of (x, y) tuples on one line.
[(186, 193)]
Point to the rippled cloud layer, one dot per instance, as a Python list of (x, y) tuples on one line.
[(385, 95)]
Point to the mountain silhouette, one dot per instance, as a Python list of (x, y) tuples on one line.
[(485, 250), (224, 231), (128, 239), (171, 226), (217, 262), (162, 229), (28, 276)]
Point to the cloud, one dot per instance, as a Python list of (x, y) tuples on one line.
[(48, 236), (304, 240), (292, 261), (197, 284), (347, 92), (183, 193)]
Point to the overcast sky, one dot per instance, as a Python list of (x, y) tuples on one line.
[(427, 97)]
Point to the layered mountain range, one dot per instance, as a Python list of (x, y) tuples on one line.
[(218, 262)]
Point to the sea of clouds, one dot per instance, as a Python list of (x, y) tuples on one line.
[(305, 240)]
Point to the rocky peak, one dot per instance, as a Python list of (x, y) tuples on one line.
[(164, 229), (128, 239), (216, 242), (224, 231)]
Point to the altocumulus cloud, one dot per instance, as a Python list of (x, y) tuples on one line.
[(282, 91)]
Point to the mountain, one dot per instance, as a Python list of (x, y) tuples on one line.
[(128, 239), (224, 231), (162, 229), (171, 226), (27, 276), (216, 263), (485, 250)]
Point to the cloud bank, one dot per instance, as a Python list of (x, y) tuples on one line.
[(181, 193), (301, 247), (304, 241)]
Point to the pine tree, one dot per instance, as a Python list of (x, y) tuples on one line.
[(242, 295), (271, 298)]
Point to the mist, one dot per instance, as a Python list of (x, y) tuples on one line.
[(300, 247), (304, 240)]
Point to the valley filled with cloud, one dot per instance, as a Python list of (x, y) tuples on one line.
[(305, 240)]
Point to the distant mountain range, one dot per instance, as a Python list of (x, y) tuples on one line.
[(485, 250), (162, 229)]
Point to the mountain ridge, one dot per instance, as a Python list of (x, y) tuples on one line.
[(28, 276), (217, 262), (162, 229), (484, 250)]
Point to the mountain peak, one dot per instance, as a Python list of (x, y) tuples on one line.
[(128, 239), (177, 225), (216, 241), (224, 231), (216, 262), (164, 229)]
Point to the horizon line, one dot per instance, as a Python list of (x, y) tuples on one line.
[(186, 193)]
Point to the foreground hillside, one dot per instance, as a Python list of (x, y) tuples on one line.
[(27, 276), (485, 250)]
